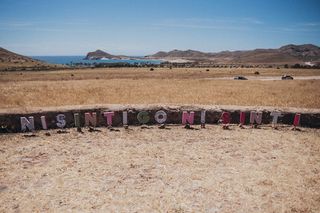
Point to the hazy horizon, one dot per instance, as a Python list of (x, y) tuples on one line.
[(138, 28)]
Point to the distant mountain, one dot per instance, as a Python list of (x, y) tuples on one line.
[(306, 52), (181, 54), (289, 54), (10, 60), (99, 54)]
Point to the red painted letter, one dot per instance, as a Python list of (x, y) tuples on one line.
[(242, 118), (225, 118), (296, 121)]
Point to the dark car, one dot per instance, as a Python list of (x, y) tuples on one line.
[(240, 78), (286, 77)]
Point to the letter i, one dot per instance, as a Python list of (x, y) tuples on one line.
[(43, 122)]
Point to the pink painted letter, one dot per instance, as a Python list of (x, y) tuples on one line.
[(187, 118), (108, 116)]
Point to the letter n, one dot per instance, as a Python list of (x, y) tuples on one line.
[(187, 117), (27, 123), (255, 117), (90, 119)]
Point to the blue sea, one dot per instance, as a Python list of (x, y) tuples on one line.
[(71, 60)]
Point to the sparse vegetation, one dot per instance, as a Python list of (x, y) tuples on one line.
[(139, 86)]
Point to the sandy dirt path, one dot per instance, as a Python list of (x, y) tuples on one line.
[(267, 78), (162, 170)]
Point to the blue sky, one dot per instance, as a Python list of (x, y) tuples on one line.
[(140, 27)]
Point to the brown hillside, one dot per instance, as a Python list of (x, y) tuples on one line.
[(12, 61), (289, 54)]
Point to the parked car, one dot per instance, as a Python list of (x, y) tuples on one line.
[(240, 78), (286, 77)]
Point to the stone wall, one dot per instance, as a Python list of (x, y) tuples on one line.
[(10, 120)]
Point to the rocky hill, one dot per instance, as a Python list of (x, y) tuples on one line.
[(307, 52), (13, 61), (99, 54), (181, 54), (289, 54)]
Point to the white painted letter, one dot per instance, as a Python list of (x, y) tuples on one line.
[(125, 118), (27, 123), (61, 122), (255, 117), (275, 116), (43, 122), (203, 117), (76, 120), (160, 116)]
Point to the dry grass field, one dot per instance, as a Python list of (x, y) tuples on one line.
[(26, 64), (165, 86), (160, 170), (145, 73), (151, 170)]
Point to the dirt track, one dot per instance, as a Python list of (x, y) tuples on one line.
[(268, 78), (153, 170)]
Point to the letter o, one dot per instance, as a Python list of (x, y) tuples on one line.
[(160, 116), (143, 117)]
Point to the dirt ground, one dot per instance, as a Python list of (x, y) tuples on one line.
[(162, 170)]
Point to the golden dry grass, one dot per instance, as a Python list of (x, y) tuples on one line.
[(27, 65), (143, 73), (125, 91), (164, 86), (176, 170), (19, 63)]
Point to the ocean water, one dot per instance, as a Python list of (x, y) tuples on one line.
[(68, 60)]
